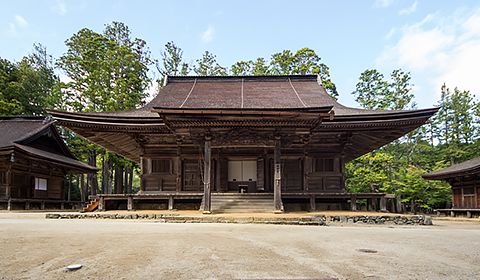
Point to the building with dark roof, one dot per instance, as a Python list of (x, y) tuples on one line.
[(279, 138), (465, 181), (34, 161)]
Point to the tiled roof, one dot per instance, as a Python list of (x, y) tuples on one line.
[(17, 129), (467, 167), (247, 92), (55, 158)]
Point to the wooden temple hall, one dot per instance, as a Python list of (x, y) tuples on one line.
[(253, 143)]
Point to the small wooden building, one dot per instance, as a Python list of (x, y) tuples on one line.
[(250, 141), (33, 163), (465, 181)]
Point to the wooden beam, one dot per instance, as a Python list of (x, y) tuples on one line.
[(207, 199), (277, 185)]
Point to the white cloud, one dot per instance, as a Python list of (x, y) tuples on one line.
[(20, 21), (207, 35), (439, 49), (383, 3), (16, 24), (59, 7), (409, 10)]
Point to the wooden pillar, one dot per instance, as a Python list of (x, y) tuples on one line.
[(69, 187), (305, 172), (371, 204), (130, 205), (217, 174), (383, 204), (353, 203), (313, 206), (207, 199), (101, 204), (277, 185), (178, 167), (398, 202), (8, 187), (342, 170), (170, 203), (142, 172), (82, 186)]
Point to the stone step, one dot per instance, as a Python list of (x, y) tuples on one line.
[(242, 203)]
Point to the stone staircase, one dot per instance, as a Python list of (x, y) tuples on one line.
[(242, 203)]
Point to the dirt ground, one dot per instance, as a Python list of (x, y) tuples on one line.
[(35, 248)]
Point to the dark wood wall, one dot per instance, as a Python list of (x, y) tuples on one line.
[(22, 179), (466, 192), (181, 170)]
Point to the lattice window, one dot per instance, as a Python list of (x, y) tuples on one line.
[(161, 166), (324, 165), (468, 191), (41, 184)]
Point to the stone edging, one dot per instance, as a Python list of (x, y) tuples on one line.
[(317, 220)]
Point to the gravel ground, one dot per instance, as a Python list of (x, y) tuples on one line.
[(35, 248)]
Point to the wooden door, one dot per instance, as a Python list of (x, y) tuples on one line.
[(457, 198), (192, 176), (292, 175), (468, 201)]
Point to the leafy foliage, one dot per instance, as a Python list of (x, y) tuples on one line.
[(208, 66), (108, 71), (374, 92), (302, 62), (29, 86), (396, 168), (172, 61)]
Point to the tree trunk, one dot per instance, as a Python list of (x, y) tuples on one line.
[(130, 179), (104, 176), (107, 174), (127, 188), (92, 181), (84, 188), (118, 178)]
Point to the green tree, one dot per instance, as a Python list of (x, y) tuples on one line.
[(456, 124), (303, 62), (370, 173), (373, 91), (208, 66), (29, 86), (172, 61), (108, 71)]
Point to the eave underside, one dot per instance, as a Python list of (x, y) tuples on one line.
[(353, 138)]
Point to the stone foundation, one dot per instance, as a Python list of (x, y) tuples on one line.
[(318, 220)]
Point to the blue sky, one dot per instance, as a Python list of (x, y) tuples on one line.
[(437, 41)]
